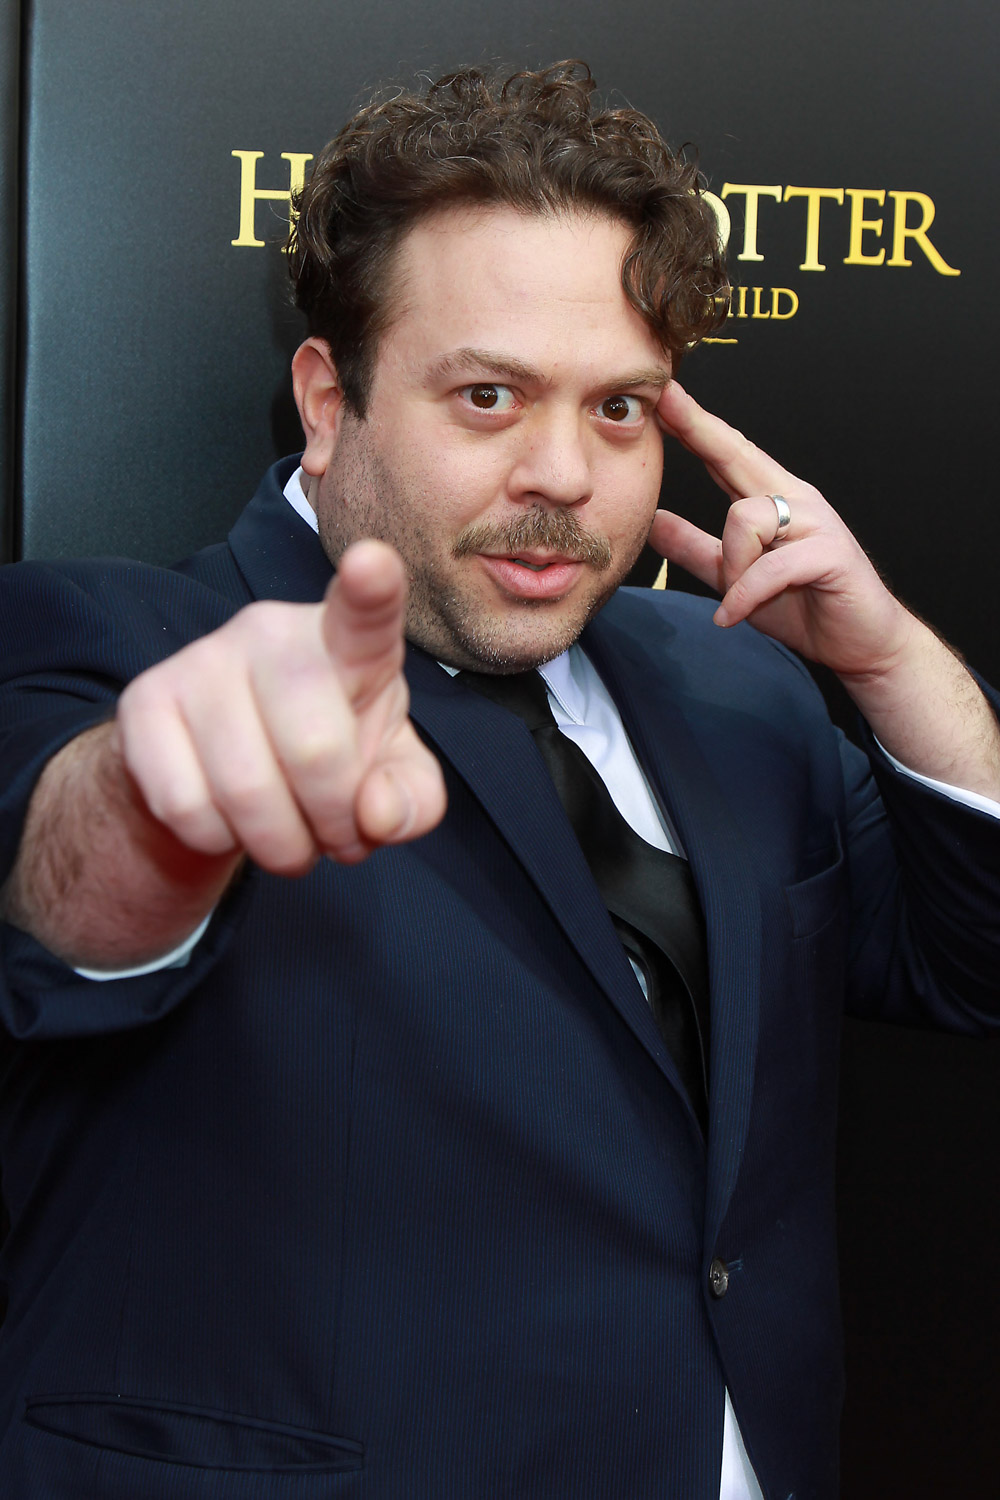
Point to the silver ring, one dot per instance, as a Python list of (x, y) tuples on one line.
[(784, 517)]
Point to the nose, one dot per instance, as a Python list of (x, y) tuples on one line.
[(552, 466)]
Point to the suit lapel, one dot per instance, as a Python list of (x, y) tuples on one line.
[(638, 657), (278, 553), (496, 757)]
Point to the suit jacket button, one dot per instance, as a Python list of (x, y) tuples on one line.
[(718, 1278)]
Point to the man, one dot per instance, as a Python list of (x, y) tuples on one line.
[(384, 1180)]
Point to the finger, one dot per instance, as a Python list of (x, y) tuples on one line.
[(314, 732), (751, 527), (403, 796), (193, 741), (159, 756), (807, 564), (363, 619), (327, 748), (681, 542), (248, 783), (736, 464)]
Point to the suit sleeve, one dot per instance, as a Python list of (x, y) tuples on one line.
[(70, 639), (925, 890)]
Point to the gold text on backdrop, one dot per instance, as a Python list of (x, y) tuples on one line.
[(862, 231), (859, 222)]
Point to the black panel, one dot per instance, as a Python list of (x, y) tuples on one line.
[(10, 135)]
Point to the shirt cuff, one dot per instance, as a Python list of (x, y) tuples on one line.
[(955, 793), (176, 959)]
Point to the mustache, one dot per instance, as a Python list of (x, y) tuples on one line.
[(551, 530)]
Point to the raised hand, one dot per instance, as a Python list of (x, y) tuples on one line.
[(284, 734), (813, 588)]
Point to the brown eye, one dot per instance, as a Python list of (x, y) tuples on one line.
[(623, 409), (488, 397)]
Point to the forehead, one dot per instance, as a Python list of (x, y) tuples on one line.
[(544, 288)]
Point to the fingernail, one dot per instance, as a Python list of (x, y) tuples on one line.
[(349, 854), (399, 795)]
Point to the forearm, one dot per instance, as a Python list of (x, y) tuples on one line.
[(927, 710), (98, 880)]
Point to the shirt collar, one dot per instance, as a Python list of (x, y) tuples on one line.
[(295, 493), (566, 679)]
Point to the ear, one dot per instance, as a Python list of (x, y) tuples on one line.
[(320, 401)]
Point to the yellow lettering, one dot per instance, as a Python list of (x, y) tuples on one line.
[(753, 193), (722, 218), (813, 197), (777, 292), (901, 232), (758, 292), (250, 193), (784, 305), (859, 224)]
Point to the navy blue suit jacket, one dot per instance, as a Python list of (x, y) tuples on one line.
[(391, 1192)]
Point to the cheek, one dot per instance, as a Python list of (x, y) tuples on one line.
[(652, 477), (456, 482), (636, 488), (652, 462)]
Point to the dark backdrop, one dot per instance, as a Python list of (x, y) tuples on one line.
[(145, 388)]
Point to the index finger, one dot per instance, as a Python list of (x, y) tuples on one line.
[(737, 465), (363, 619)]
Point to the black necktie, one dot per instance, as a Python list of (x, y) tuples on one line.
[(649, 893)]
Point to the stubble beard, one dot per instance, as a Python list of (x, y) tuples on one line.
[(464, 634), (449, 623)]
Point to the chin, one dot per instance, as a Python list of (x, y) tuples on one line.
[(498, 647), (463, 633)]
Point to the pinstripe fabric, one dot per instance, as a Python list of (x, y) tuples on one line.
[(391, 1192)]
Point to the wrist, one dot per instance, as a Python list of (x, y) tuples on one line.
[(99, 881), (896, 657)]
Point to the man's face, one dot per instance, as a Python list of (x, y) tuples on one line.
[(509, 452)]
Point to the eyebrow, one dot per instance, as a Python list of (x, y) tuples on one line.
[(466, 361)]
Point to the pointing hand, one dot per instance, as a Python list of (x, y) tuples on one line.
[(285, 734)]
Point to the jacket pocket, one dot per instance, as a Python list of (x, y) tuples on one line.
[(196, 1436), (816, 901)]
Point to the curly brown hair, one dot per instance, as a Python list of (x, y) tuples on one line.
[(535, 142)]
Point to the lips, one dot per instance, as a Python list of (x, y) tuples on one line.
[(533, 575)]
